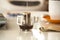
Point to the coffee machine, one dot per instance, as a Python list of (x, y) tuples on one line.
[(24, 21)]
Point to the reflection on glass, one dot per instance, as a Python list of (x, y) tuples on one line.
[(38, 35)]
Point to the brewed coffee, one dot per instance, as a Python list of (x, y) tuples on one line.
[(26, 27)]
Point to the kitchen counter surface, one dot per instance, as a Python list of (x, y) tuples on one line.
[(20, 35), (13, 32)]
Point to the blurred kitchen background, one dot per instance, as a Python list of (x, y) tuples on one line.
[(22, 20)]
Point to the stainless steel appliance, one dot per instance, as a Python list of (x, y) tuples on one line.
[(24, 5), (24, 21)]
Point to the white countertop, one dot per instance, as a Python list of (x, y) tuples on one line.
[(14, 33)]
